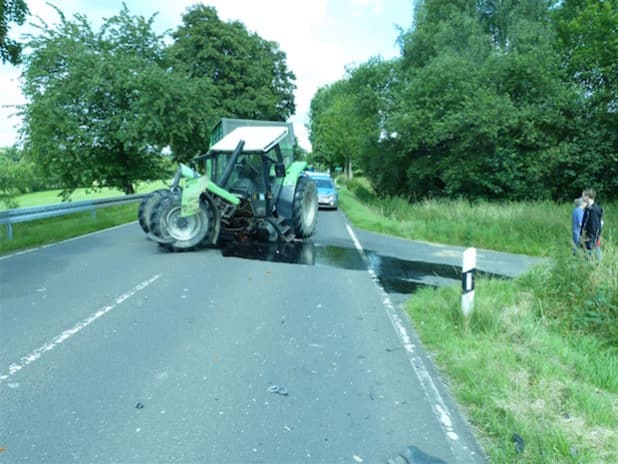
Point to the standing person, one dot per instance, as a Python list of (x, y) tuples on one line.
[(592, 223), (578, 221)]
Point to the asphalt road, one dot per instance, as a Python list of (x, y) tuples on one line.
[(112, 351)]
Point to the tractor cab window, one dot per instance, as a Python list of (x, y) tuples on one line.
[(247, 175)]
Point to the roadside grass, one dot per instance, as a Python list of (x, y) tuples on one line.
[(534, 228), (539, 355), (49, 197), (513, 374), (42, 232)]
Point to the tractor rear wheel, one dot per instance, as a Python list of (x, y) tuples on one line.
[(182, 233), (146, 206), (305, 207)]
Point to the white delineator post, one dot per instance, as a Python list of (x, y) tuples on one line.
[(468, 269)]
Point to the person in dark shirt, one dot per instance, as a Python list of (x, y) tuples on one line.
[(592, 223)]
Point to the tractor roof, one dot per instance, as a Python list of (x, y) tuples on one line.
[(259, 139)]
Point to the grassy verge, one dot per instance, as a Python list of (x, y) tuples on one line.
[(50, 197), (539, 355), (535, 228), (45, 231), (37, 233), (514, 374)]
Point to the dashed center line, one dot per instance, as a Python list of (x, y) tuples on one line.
[(62, 337)]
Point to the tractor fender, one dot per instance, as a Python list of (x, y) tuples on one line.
[(285, 202)]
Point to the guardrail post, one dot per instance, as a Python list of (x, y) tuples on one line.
[(9, 231), (94, 213)]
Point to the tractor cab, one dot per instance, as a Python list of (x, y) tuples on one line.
[(248, 188), (254, 173)]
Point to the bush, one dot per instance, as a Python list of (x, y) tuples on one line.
[(579, 294)]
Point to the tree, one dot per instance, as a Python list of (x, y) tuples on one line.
[(16, 176), (480, 107), (102, 105), (588, 42), (11, 11), (346, 118), (250, 75)]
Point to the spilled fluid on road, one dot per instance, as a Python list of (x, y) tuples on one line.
[(395, 275)]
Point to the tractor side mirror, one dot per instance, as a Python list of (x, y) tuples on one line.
[(279, 170)]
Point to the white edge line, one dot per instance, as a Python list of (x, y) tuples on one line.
[(30, 250), (430, 389), (65, 335)]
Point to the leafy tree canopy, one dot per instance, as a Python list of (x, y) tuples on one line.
[(249, 74), (489, 99), (11, 11)]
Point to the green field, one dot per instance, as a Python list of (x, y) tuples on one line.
[(50, 197), (42, 232), (539, 355)]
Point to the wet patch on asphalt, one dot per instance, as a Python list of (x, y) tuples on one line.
[(395, 275)]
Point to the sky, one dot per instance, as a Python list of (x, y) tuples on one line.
[(320, 38)]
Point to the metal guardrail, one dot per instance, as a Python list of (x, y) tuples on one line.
[(14, 216)]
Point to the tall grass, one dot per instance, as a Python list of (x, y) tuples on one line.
[(515, 374), (534, 228), (578, 294)]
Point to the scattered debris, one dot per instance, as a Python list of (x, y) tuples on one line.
[(139, 406), (279, 390), (289, 429), (519, 442), (357, 458), (40, 290)]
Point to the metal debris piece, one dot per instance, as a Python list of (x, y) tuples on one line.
[(519, 442), (278, 389)]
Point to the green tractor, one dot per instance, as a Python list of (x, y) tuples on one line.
[(251, 188)]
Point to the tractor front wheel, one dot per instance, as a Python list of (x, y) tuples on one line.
[(305, 207), (183, 233)]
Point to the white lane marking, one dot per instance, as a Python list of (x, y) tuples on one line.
[(64, 336), (30, 250), (422, 373)]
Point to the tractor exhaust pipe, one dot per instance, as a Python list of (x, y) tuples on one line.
[(225, 177)]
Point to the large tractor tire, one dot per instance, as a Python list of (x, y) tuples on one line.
[(182, 233), (144, 212), (305, 207)]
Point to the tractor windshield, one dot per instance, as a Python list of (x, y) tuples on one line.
[(247, 173)]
